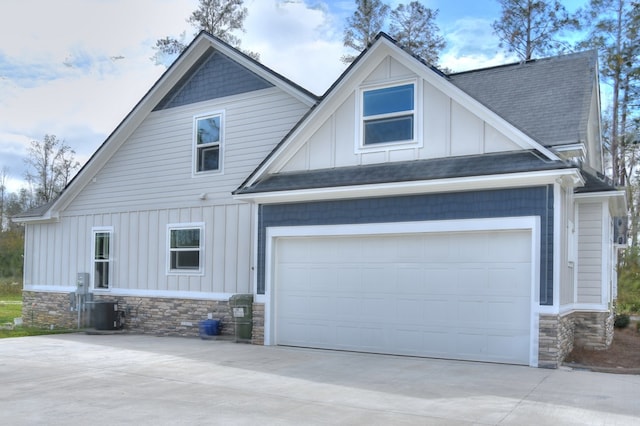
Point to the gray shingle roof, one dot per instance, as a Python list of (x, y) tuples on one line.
[(594, 181), (548, 99), (437, 168)]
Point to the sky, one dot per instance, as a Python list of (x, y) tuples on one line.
[(76, 68)]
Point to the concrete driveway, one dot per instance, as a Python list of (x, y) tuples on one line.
[(130, 379)]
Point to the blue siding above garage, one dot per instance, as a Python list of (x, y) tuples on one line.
[(535, 201)]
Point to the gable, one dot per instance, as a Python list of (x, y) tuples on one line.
[(445, 127), (213, 76)]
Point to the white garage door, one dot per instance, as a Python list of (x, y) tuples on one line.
[(458, 295)]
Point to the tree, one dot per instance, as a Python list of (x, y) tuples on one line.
[(414, 27), (614, 28), (363, 26), (218, 17), (4, 173), (533, 27), (52, 165)]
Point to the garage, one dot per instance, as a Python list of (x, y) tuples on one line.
[(456, 295)]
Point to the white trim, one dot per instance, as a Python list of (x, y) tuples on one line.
[(525, 179), (582, 307), (194, 145), (617, 200), (530, 223), (534, 324), (168, 294), (558, 265), (416, 142), (346, 85), (92, 269), (201, 266), (50, 288), (607, 243), (571, 150)]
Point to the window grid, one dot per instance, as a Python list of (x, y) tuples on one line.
[(208, 136), (388, 115), (185, 249)]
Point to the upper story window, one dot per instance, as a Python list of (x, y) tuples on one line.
[(388, 115), (208, 137), (102, 257), (185, 248)]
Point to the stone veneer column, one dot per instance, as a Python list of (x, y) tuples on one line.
[(556, 335), (257, 335)]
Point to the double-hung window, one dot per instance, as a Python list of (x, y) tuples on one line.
[(208, 143), (185, 248), (388, 115), (102, 257)]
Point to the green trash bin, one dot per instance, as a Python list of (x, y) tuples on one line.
[(241, 306)]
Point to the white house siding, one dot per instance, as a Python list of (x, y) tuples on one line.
[(140, 250), (567, 257), (590, 217), (148, 183), (153, 169), (448, 129)]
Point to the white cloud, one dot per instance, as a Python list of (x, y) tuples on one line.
[(471, 45), (301, 42), (76, 68)]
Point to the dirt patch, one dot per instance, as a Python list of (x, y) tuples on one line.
[(623, 356)]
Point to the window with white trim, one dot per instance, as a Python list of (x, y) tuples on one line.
[(207, 143), (102, 257), (388, 115), (185, 249)]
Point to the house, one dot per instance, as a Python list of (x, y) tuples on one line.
[(406, 211)]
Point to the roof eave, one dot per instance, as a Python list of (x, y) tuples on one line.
[(459, 184)]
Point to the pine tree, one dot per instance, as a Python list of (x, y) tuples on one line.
[(414, 27), (533, 27), (363, 26)]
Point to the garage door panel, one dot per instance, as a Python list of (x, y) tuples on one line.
[(407, 294)]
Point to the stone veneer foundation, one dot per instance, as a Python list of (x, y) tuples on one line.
[(147, 315), (180, 317), (558, 334)]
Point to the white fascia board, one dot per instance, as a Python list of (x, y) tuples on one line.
[(49, 217), (571, 150), (473, 105), (617, 200), (346, 86), (411, 188), (271, 77), (129, 124)]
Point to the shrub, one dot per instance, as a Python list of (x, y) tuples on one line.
[(621, 321), (10, 287)]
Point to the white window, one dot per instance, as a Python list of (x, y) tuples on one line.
[(207, 143), (388, 115), (185, 249), (102, 257)]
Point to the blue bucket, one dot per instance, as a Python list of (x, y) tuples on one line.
[(209, 328)]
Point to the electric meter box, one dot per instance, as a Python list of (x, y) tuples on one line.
[(82, 283)]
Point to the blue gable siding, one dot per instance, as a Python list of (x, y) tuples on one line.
[(535, 201), (213, 76)]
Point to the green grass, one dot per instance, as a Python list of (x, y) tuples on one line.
[(11, 307)]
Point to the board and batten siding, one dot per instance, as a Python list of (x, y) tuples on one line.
[(590, 255), (448, 129), (148, 183), (139, 250)]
